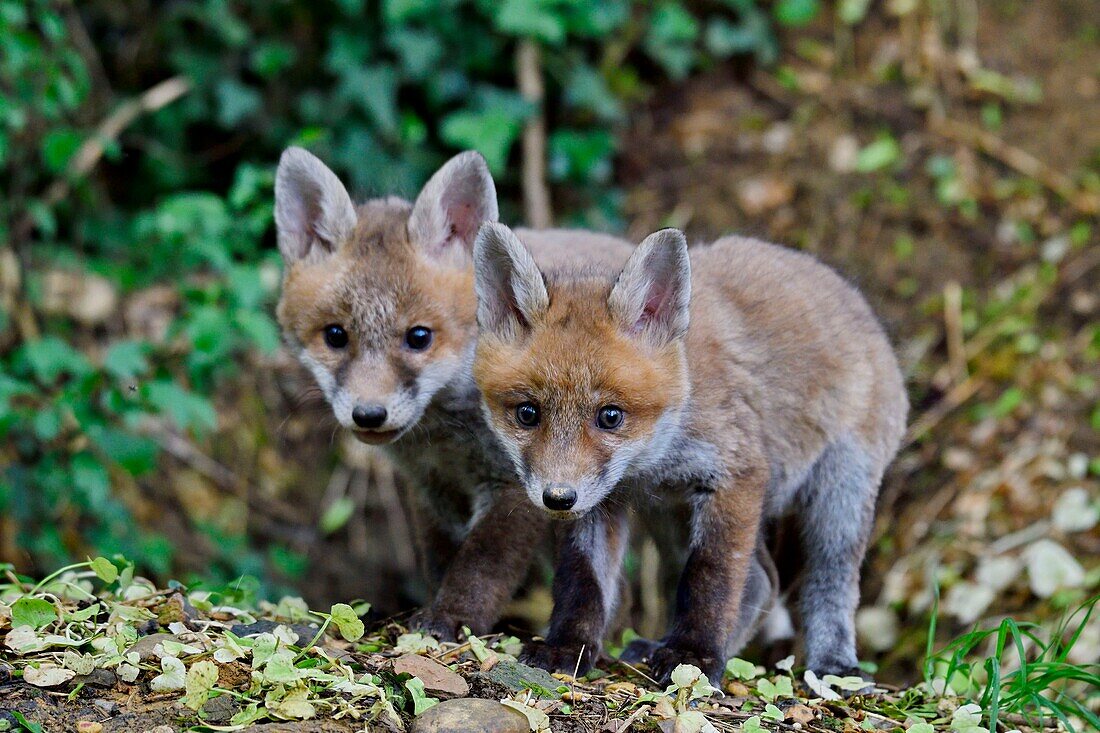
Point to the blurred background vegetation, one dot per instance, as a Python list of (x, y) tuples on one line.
[(944, 154)]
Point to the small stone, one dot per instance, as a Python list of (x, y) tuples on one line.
[(470, 715), (967, 601), (764, 193), (517, 676), (174, 609), (777, 138), (627, 687), (437, 679), (1075, 511), (997, 572), (800, 714), (234, 675), (88, 298), (1050, 567), (737, 689), (109, 707), (98, 677), (844, 153), (88, 726), (146, 645), (220, 709)]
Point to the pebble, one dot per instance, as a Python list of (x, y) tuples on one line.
[(145, 645), (517, 676), (470, 715)]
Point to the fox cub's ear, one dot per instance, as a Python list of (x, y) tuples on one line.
[(313, 212), (652, 295), (457, 200), (511, 293)]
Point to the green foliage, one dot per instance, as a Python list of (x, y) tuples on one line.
[(179, 196), (1018, 668)]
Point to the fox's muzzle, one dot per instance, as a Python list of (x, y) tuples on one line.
[(559, 497)]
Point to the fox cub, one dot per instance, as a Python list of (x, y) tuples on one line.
[(746, 379), (378, 303)]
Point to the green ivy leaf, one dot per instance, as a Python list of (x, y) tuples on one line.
[(104, 569), (136, 454), (880, 154), (771, 691), (337, 515), (752, 725), (741, 669), (671, 37), (532, 19), (796, 12), (260, 329), (236, 102), (187, 409), (58, 147), (33, 612), (852, 12), (346, 620), (26, 724), (421, 701), (200, 680), (490, 131), (49, 357), (126, 359)]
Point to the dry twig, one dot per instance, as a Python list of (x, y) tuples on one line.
[(1017, 159), (536, 195)]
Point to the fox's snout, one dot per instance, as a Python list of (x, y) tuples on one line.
[(559, 497), (369, 416), (564, 499)]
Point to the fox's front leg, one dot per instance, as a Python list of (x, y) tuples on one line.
[(490, 564), (586, 591), (725, 526)]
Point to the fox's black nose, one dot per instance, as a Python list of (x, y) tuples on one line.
[(559, 498), (369, 416)]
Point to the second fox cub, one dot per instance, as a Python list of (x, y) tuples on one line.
[(782, 397)]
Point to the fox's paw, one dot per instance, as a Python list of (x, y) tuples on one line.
[(639, 651), (442, 626), (667, 657), (560, 657)]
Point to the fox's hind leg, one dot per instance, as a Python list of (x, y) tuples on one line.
[(835, 517)]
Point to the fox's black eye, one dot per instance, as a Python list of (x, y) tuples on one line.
[(335, 336), (418, 338), (527, 414), (609, 417)]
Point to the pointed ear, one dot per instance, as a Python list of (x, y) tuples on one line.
[(511, 293), (313, 212), (454, 203), (652, 296)]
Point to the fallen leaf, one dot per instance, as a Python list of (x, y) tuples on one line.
[(800, 713), (1073, 512), (173, 676), (536, 719), (48, 675), (1051, 567)]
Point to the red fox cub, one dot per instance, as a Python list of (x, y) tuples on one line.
[(378, 302), (782, 397)]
